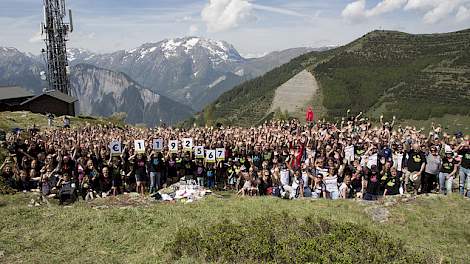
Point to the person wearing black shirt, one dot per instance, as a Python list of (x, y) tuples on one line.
[(140, 172), (373, 185), (392, 186), (116, 175), (447, 173), (464, 171), (414, 167)]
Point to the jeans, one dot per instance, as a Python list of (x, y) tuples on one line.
[(210, 182), (200, 181), (464, 176), (334, 195), (445, 185), (155, 181)]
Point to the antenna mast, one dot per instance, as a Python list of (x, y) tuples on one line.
[(55, 33)]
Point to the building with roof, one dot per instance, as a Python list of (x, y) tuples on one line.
[(54, 102), (11, 97)]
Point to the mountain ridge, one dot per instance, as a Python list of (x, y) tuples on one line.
[(412, 76)]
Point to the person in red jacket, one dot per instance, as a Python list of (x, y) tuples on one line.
[(309, 115)]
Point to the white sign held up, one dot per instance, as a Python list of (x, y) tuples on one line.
[(115, 148), (139, 146), (210, 155), (173, 146), (199, 152), (220, 154), (187, 144), (157, 144)]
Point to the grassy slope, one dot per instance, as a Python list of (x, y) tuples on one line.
[(25, 120), (410, 76), (138, 235), (250, 102), (416, 76)]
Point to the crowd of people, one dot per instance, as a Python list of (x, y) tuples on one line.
[(289, 159)]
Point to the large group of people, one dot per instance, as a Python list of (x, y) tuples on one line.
[(289, 159)]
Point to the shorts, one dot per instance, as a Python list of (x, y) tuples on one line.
[(140, 178)]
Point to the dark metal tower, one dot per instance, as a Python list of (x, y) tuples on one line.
[(55, 33)]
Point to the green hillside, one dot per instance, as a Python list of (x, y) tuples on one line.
[(410, 76)]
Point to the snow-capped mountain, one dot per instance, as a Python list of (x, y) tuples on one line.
[(18, 68), (101, 92), (81, 55), (191, 70)]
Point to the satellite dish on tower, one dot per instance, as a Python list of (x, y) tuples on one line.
[(43, 75)]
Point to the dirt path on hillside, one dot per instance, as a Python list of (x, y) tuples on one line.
[(295, 93)]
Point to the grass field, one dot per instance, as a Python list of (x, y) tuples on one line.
[(25, 120), (433, 225)]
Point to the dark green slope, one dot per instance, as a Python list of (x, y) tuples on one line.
[(411, 76)]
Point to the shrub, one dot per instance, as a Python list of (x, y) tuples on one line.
[(282, 238)]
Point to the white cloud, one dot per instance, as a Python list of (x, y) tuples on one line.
[(434, 10), (385, 7), (220, 15), (422, 5), (355, 11), (441, 11), (463, 14), (278, 10)]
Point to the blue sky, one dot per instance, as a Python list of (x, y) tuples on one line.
[(254, 27)]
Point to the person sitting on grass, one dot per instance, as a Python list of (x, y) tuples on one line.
[(318, 188), (8, 173), (67, 192), (106, 184), (331, 183)]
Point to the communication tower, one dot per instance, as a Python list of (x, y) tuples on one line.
[(55, 33)]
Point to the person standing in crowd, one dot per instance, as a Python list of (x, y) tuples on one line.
[(139, 170), (416, 162), (66, 121), (447, 172), (464, 171), (279, 158), (372, 189), (431, 171), (210, 176), (152, 165), (309, 115)]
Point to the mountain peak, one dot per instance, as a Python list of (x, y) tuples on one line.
[(218, 51)]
